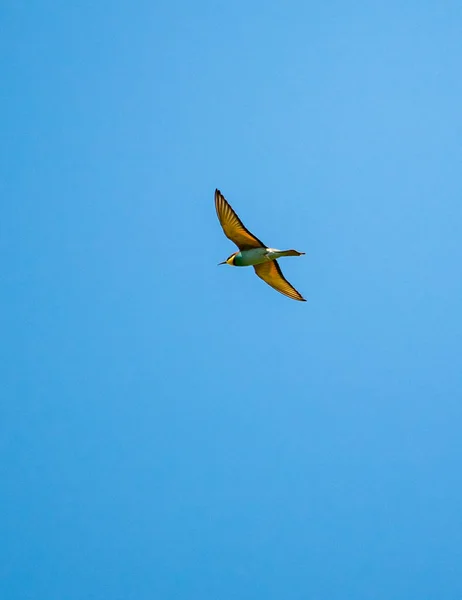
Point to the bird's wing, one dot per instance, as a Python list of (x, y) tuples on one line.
[(232, 225), (271, 273)]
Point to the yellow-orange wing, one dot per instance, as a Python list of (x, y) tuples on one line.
[(271, 273), (232, 225)]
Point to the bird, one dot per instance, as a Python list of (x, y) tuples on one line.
[(252, 251)]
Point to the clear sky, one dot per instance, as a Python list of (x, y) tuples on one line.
[(171, 429)]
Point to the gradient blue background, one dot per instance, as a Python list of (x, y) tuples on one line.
[(171, 429)]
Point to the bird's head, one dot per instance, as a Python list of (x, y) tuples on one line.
[(229, 260)]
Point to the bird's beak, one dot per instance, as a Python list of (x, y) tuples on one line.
[(223, 263)]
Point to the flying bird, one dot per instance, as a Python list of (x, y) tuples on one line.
[(252, 251)]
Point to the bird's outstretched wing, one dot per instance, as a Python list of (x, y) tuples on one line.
[(232, 225), (271, 273)]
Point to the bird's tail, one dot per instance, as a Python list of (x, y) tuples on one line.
[(291, 253)]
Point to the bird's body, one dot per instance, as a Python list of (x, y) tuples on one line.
[(252, 252), (257, 256)]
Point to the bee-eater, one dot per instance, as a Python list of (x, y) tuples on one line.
[(253, 252)]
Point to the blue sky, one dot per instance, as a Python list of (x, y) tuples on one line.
[(170, 429)]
